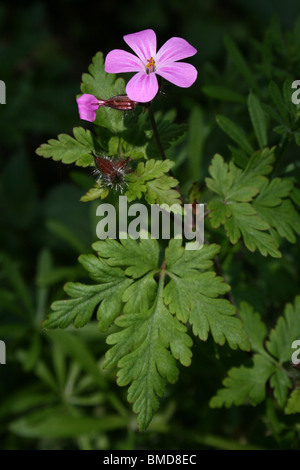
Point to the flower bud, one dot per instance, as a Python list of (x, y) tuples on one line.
[(112, 171), (121, 102), (88, 105)]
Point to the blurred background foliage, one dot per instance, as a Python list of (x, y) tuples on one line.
[(53, 392)]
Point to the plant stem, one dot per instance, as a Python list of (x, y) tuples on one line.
[(159, 145), (155, 131)]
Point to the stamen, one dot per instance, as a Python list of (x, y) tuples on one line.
[(150, 65)]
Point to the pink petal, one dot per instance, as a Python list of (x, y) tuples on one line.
[(174, 49), (87, 107), (118, 61), (142, 87), (179, 73), (142, 43)]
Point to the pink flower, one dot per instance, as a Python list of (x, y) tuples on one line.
[(88, 105), (148, 63)]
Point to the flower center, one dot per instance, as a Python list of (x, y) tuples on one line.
[(150, 66)]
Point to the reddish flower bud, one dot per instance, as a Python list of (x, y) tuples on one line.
[(88, 105), (121, 102), (112, 171)]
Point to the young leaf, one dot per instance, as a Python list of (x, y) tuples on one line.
[(68, 150), (150, 179), (96, 192), (159, 191)]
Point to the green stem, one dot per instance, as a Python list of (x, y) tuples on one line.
[(159, 145), (155, 131)]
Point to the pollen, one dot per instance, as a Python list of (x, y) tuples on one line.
[(150, 65)]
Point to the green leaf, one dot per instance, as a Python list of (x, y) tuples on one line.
[(150, 179), (245, 222), (151, 169), (140, 257), (244, 384), (235, 133), (240, 63), (237, 189), (84, 298), (193, 296), (97, 192), (138, 141), (278, 212), (59, 423), (277, 98), (254, 327), (282, 216), (258, 120), (293, 404), (280, 382), (68, 150), (131, 290), (219, 211), (170, 133), (221, 178), (249, 383), (287, 330), (223, 93), (260, 164), (159, 191), (104, 85), (145, 360), (73, 345)]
